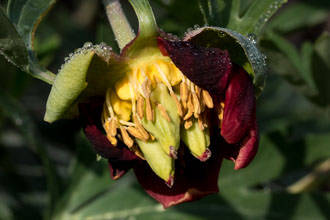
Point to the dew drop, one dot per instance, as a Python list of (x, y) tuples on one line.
[(88, 45)]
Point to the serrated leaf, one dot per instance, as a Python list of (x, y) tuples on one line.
[(11, 44)]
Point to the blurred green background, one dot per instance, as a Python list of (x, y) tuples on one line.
[(50, 171)]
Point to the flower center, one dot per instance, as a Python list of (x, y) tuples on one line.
[(130, 101)]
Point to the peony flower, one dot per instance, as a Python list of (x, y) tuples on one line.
[(170, 109)]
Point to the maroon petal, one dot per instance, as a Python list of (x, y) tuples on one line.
[(242, 153), (209, 68), (248, 149), (193, 179), (240, 107), (120, 158)]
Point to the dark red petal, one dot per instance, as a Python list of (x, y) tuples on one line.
[(240, 107), (193, 179), (242, 153), (120, 158), (209, 68), (248, 149)]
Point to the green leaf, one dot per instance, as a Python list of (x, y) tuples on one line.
[(88, 180), (238, 198), (321, 68), (26, 16), (307, 70), (294, 17), (215, 12), (11, 44), (242, 50), (13, 110), (255, 17)]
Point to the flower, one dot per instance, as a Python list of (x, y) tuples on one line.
[(170, 109)]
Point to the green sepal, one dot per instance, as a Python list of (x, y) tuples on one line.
[(166, 133), (242, 50), (87, 73), (195, 139), (68, 84), (160, 162)]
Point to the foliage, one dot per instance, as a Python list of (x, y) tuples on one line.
[(50, 172)]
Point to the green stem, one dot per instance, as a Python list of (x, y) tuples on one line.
[(43, 75), (119, 23), (314, 179), (147, 23)]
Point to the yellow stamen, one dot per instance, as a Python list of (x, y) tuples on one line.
[(178, 105), (112, 140), (184, 93), (141, 128), (126, 138), (207, 99), (187, 124), (163, 112), (149, 110), (140, 106), (136, 133), (113, 127)]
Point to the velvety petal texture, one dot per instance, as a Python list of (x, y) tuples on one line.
[(209, 68), (240, 104), (120, 158), (248, 148), (193, 179)]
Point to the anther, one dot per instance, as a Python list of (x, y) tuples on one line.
[(149, 110), (139, 126), (198, 91), (184, 92), (207, 99), (126, 138), (197, 108), (190, 107), (112, 140), (178, 105), (140, 106), (146, 88), (163, 76), (201, 124), (113, 127), (136, 133), (163, 112), (188, 123)]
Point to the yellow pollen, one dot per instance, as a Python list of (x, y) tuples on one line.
[(130, 101)]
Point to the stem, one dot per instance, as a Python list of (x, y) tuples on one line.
[(318, 176), (147, 23), (119, 23)]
